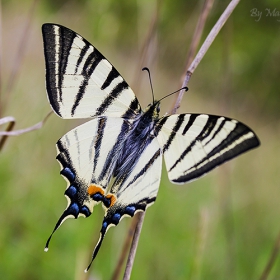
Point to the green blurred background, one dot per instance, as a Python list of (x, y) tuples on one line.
[(222, 226)]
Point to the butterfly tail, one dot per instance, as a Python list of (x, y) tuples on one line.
[(71, 212), (103, 231)]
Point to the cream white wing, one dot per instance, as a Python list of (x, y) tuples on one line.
[(80, 81), (134, 191), (87, 155), (194, 144)]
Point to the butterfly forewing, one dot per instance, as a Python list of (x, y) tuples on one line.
[(81, 83), (194, 144)]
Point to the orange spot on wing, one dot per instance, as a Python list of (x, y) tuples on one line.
[(93, 189), (112, 198)]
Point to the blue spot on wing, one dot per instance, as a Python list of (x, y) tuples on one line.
[(85, 211), (106, 202), (73, 209), (97, 197), (129, 210), (116, 218), (71, 192), (68, 173), (104, 227)]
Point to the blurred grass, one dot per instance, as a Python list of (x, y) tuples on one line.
[(222, 226)]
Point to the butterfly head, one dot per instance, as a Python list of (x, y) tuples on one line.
[(153, 110)]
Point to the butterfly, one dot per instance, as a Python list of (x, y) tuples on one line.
[(116, 157)]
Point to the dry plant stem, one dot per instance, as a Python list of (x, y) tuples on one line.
[(8, 132), (136, 85), (125, 249), (11, 122), (195, 40), (272, 259), (204, 48), (20, 53), (24, 130), (198, 31), (207, 43), (133, 247), (144, 55)]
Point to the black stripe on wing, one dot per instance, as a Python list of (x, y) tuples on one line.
[(207, 129), (176, 127), (90, 64), (57, 46), (111, 97), (113, 154), (98, 140)]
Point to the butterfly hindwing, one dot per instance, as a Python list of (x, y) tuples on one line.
[(87, 155), (194, 144), (134, 191), (80, 82)]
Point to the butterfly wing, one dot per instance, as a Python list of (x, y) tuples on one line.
[(133, 191), (87, 155), (80, 82), (194, 144)]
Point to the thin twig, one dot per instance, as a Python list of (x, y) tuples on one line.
[(272, 259), (207, 43), (19, 56), (144, 54), (21, 131), (136, 85), (11, 122), (125, 248), (204, 48), (195, 41), (198, 31), (133, 247)]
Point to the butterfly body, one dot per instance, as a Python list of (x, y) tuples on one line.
[(116, 157)]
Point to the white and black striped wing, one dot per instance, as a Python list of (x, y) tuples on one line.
[(87, 155), (81, 82), (194, 144), (133, 191)]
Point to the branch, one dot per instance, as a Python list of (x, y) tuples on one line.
[(134, 245), (204, 48), (133, 227), (198, 31), (19, 55), (207, 43), (24, 130), (11, 122)]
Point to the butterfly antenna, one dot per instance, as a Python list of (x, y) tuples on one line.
[(148, 70), (185, 88)]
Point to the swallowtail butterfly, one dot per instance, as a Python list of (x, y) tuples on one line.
[(122, 143)]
